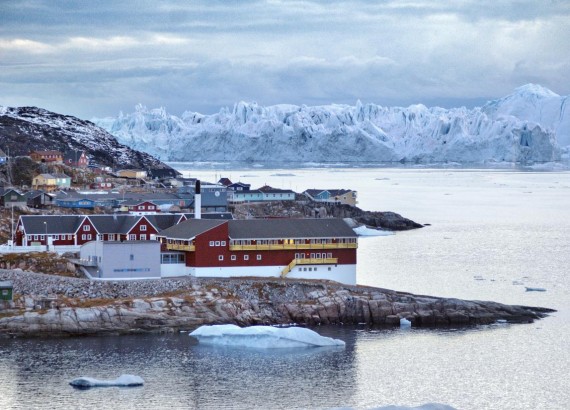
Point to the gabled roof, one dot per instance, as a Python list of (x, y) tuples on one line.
[(49, 152), (4, 191), (225, 181), (277, 191), (290, 228), (113, 223), (55, 224), (163, 221), (332, 192), (134, 202), (73, 155), (191, 228), (35, 194)]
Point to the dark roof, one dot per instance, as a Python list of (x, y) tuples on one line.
[(332, 192), (72, 155), (289, 228), (113, 223), (163, 221), (190, 228), (212, 215), (56, 224), (225, 181), (162, 173), (34, 194)]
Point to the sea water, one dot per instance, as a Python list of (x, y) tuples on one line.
[(492, 233)]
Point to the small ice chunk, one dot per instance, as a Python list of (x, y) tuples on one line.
[(365, 231), (262, 337), (125, 380), (405, 322)]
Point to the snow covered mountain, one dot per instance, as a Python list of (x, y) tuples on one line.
[(24, 129), (529, 125)]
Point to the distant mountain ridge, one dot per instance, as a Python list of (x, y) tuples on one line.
[(530, 125), (24, 129)]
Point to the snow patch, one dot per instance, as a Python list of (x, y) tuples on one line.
[(366, 231)]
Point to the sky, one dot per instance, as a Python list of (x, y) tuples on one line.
[(98, 58)]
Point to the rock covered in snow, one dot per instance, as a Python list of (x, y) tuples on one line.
[(262, 337), (522, 127)]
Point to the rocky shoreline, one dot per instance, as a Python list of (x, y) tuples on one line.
[(49, 305)]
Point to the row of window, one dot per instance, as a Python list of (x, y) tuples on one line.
[(87, 228), (217, 243), (88, 237), (234, 257), (314, 255), (310, 269)]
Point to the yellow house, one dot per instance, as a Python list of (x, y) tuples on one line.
[(132, 173), (51, 182)]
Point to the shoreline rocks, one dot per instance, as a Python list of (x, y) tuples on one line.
[(47, 305)]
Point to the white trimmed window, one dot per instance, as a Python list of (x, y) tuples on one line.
[(83, 237), (86, 228), (211, 243), (143, 236), (258, 257), (143, 227), (220, 257), (217, 243), (56, 237), (223, 243), (132, 237), (245, 257), (234, 257)]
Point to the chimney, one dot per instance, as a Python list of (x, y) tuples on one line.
[(197, 201)]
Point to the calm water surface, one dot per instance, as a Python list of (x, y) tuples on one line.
[(492, 233)]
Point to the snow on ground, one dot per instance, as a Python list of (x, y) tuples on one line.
[(365, 231)]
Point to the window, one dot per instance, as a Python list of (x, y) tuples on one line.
[(245, 257), (329, 255), (132, 257), (56, 237), (141, 208), (223, 243), (35, 237), (234, 257), (258, 257), (329, 268), (111, 236), (132, 237), (217, 243), (99, 237), (86, 228), (143, 227), (143, 236), (220, 257), (211, 243), (89, 237), (83, 237), (69, 237)]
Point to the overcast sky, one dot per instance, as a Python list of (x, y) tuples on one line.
[(96, 58)]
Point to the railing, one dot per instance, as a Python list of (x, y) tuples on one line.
[(307, 261), (282, 246), (180, 247)]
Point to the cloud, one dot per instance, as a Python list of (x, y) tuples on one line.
[(203, 55)]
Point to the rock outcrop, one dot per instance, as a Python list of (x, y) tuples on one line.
[(48, 305)]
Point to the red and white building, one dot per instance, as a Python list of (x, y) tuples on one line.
[(295, 248)]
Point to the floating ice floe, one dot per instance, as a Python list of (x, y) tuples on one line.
[(125, 380), (405, 323), (262, 337), (365, 231)]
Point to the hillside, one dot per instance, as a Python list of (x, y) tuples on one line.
[(23, 129)]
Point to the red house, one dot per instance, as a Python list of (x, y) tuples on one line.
[(296, 248)]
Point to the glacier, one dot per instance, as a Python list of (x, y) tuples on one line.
[(262, 337), (531, 125)]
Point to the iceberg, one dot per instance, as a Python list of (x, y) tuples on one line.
[(125, 380), (262, 337)]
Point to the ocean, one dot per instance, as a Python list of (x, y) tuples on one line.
[(492, 233)]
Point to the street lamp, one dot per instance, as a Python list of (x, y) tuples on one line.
[(45, 226)]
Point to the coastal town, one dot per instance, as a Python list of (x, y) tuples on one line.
[(140, 224)]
